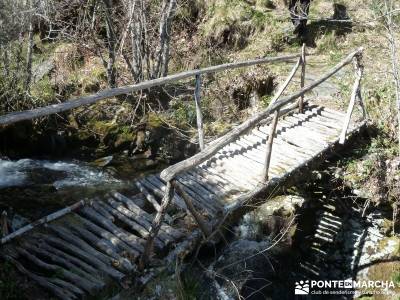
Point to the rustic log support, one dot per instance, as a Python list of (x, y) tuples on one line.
[(89, 278), (188, 201), (148, 195), (362, 104), (41, 221), (131, 240), (85, 256), (199, 115), (60, 256), (286, 83), (4, 224), (303, 76), (60, 292), (79, 281), (155, 227), (358, 70), (269, 145), (111, 237)]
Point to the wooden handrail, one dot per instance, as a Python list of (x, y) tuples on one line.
[(283, 87), (170, 172), (358, 70), (108, 93), (303, 75)]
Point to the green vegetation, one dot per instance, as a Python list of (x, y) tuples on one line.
[(9, 286)]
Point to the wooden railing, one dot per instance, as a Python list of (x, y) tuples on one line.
[(276, 109), (123, 90)]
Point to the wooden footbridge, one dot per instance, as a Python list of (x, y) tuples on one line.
[(78, 251)]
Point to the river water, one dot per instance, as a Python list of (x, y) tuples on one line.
[(32, 188)]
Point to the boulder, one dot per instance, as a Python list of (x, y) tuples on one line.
[(269, 218)]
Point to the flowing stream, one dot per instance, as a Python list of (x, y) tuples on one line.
[(32, 188)]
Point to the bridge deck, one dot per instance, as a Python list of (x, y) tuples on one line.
[(99, 244)]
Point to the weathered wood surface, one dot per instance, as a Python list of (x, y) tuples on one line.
[(111, 237), (108, 239), (169, 173), (109, 93)]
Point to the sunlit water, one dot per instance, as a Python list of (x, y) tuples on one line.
[(61, 174)]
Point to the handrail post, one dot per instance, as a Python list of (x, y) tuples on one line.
[(358, 70), (303, 76), (199, 115), (4, 224), (156, 225), (269, 145), (189, 204)]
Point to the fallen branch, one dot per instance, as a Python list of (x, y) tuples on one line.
[(41, 221)]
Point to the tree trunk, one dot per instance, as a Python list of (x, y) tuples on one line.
[(162, 57), (111, 45)]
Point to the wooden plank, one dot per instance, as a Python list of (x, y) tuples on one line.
[(156, 181), (89, 277), (42, 281), (257, 157), (239, 161), (200, 202), (231, 175), (278, 160), (104, 246), (313, 125), (221, 181), (230, 172), (141, 218), (262, 142), (234, 169), (148, 195), (207, 184), (81, 283), (284, 148), (260, 139), (203, 188), (133, 250), (134, 225), (90, 272), (94, 261), (226, 186), (68, 236), (130, 239), (101, 210), (199, 219), (311, 133)]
